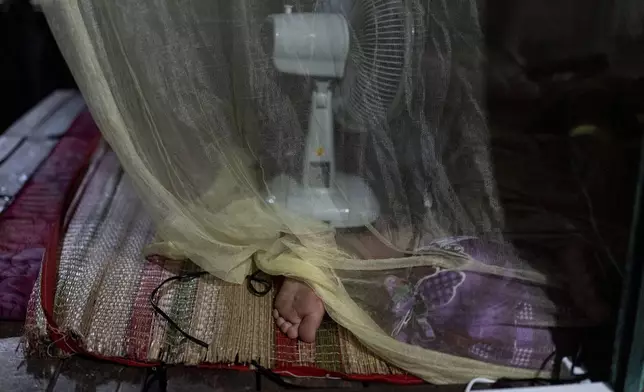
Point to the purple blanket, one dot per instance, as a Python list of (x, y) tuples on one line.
[(485, 317)]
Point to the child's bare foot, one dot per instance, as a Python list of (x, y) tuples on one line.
[(298, 311)]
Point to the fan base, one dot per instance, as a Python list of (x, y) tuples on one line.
[(349, 202)]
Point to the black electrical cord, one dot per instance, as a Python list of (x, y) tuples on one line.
[(550, 357), (180, 278), (258, 278), (263, 280), (540, 381), (156, 374), (533, 382), (277, 379), (575, 361)]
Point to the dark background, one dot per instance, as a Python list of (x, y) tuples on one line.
[(31, 65), (544, 33)]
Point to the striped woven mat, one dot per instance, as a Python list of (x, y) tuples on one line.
[(102, 300)]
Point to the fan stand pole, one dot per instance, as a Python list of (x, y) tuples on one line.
[(340, 199), (319, 164)]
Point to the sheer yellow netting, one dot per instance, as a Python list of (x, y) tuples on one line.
[(185, 93)]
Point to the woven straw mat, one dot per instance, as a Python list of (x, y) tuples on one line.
[(104, 286)]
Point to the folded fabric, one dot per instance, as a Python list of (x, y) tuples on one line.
[(35, 175)]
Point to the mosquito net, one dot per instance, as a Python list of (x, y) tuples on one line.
[(188, 96)]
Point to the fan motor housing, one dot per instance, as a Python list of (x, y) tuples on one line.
[(311, 44)]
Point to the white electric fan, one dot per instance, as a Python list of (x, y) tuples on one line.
[(358, 71)]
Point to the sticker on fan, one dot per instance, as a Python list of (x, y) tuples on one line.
[(320, 175)]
